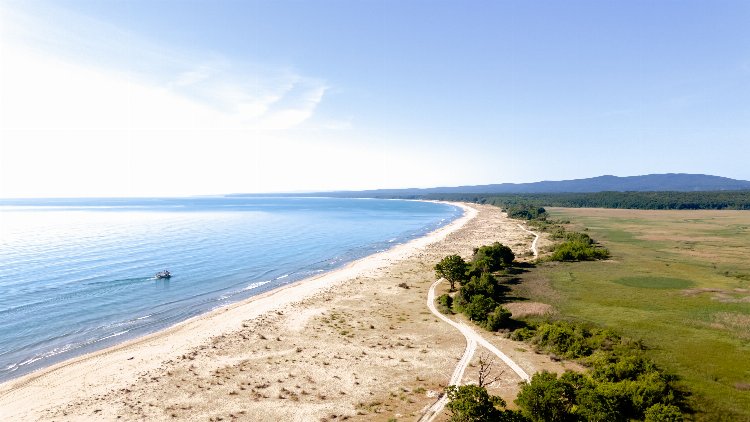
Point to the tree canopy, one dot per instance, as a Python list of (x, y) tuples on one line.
[(471, 403), (492, 257), (452, 268)]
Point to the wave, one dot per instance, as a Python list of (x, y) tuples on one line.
[(255, 285)]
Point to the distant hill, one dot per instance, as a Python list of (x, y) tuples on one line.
[(672, 182), (676, 182)]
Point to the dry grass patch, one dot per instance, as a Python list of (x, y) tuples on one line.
[(526, 309)]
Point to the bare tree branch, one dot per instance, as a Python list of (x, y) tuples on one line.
[(485, 371)]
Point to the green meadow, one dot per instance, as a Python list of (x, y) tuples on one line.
[(679, 280)]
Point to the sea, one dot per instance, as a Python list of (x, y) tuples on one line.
[(78, 275)]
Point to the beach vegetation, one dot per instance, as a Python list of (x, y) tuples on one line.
[(497, 319), (663, 413), (621, 383), (679, 282), (444, 303), (480, 296), (471, 403), (490, 258), (478, 307), (525, 211), (452, 268), (577, 246)]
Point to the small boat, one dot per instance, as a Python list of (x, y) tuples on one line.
[(163, 274)]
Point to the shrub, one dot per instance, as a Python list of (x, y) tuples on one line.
[(478, 308), (493, 257), (622, 384), (564, 339), (484, 285), (522, 334), (444, 303), (663, 413), (546, 398), (578, 250), (473, 403), (526, 212), (497, 319)]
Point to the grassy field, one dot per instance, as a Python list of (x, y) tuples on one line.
[(679, 280)]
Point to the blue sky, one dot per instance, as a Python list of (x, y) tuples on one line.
[(176, 97)]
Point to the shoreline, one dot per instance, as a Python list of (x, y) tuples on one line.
[(295, 275), (99, 371)]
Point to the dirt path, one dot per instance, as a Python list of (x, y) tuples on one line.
[(534, 249), (472, 339)]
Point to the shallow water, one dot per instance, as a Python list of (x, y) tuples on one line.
[(77, 275)]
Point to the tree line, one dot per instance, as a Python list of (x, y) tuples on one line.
[(713, 200)]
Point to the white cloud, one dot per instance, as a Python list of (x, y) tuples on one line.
[(74, 127), (87, 53), (78, 120)]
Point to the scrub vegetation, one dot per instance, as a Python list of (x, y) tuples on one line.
[(663, 325), (481, 293), (570, 245), (679, 282)]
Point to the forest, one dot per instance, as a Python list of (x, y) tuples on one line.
[(714, 200)]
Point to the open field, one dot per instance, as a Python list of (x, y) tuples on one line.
[(680, 280)]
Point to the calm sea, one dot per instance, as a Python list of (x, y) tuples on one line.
[(78, 275)]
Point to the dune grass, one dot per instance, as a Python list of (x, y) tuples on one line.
[(679, 280)]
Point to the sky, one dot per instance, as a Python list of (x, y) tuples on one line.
[(177, 98)]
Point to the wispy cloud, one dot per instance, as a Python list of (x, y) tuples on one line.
[(250, 95), (280, 99)]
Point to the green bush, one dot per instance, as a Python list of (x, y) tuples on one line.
[(622, 383), (526, 212), (522, 334), (663, 413), (497, 319), (473, 403), (485, 285), (564, 339), (546, 398), (444, 303), (492, 257), (478, 308), (578, 250)]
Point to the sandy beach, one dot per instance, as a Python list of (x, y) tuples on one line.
[(356, 343)]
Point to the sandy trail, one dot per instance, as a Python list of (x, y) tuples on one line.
[(534, 249), (472, 339)]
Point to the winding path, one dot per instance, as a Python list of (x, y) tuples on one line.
[(472, 340), (533, 244)]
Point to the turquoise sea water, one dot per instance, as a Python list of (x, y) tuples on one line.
[(77, 275)]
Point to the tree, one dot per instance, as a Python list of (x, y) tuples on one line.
[(471, 403), (547, 399), (485, 371), (452, 268), (484, 285), (493, 257), (497, 319), (478, 307)]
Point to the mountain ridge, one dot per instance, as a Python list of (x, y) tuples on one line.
[(675, 182)]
